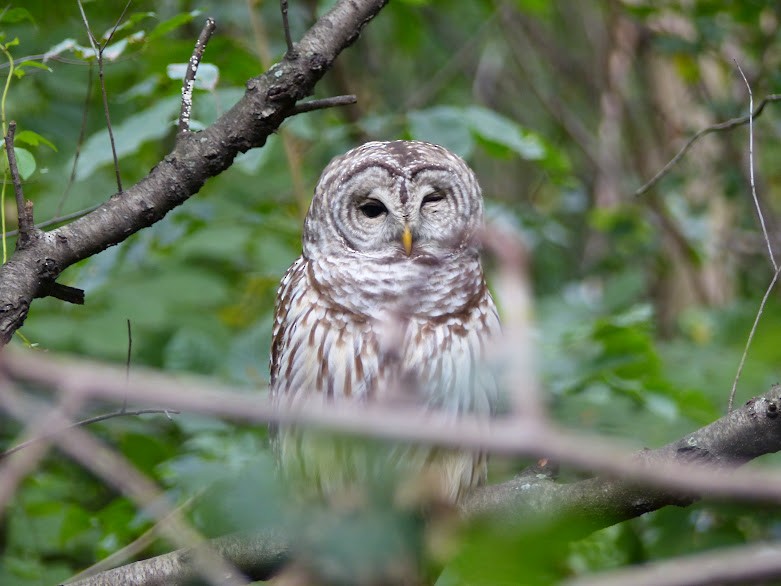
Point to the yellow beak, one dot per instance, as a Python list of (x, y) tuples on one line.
[(406, 240)]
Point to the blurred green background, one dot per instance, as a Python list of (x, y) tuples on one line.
[(564, 109)]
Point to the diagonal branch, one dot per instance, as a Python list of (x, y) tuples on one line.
[(720, 127), (268, 101), (188, 84)]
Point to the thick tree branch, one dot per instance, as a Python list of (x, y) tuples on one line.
[(269, 99)]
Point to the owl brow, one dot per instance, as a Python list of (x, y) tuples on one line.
[(427, 167), (361, 167)]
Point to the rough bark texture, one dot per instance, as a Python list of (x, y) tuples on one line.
[(745, 434), (269, 99)]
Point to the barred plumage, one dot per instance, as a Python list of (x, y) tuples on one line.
[(388, 302)]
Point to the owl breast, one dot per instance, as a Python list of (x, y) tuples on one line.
[(386, 336), (382, 343), (387, 305)]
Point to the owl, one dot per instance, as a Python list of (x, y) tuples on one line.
[(387, 303)]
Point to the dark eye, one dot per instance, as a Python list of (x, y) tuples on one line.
[(372, 208), (433, 197)]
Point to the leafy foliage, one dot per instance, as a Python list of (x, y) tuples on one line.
[(639, 335)]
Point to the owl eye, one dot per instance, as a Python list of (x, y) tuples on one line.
[(432, 197), (373, 208)]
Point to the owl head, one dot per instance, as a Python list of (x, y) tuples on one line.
[(394, 201)]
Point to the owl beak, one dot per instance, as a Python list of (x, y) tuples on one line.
[(406, 239)]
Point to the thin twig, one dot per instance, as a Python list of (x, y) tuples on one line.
[(116, 24), (84, 422), (720, 127), (751, 337), (312, 105), (79, 142), (25, 213), (291, 51), (60, 219), (516, 346), (292, 154), (99, 54), (751, 167), (127, 362), (192, 69)]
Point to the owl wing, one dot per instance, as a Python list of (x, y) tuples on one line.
[(318, 347)]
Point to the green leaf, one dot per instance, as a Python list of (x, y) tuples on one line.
[(15, 15), (128, 23), (35, 64), (25, 162), (148, 125), (33, 139), (442, 125), (167, 26), (194, 351), (498, 129)]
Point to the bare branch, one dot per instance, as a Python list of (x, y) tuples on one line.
[(62, 292), (79, 143), (312, 105), (25, 213), (720, 127), (192, 70), (98, 48), (737, 438), (751, 170), (83, 423), (60, 219), (747, 564), (751, 337), (517, 348), (291, 51)]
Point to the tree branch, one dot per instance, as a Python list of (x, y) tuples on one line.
[(757, 563), (657, 478), (192, 70), (720, 127), (751, 431), (24, 213), (269, 99)]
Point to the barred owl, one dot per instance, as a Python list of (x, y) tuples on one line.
[(387, 302)]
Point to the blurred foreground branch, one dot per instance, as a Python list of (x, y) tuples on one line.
[(698, 465)]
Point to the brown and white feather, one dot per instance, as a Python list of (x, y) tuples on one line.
[(360, 319)]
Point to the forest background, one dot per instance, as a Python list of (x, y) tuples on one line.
[(644, 295)]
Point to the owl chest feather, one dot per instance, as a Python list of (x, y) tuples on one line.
[(419, 337)]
